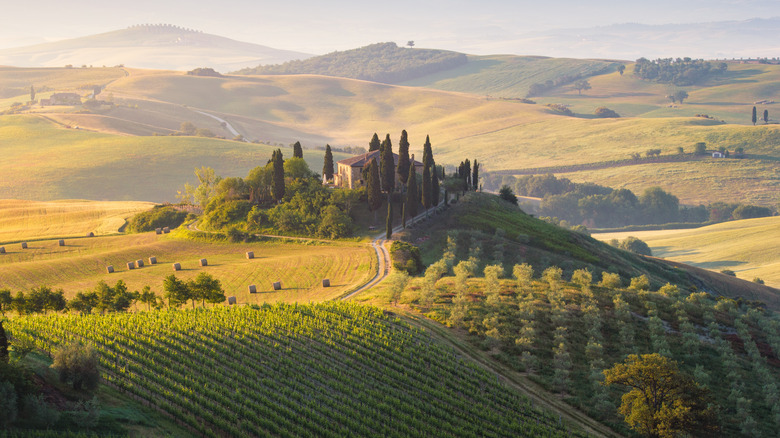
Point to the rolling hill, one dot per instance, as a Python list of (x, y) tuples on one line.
[(164, 47)]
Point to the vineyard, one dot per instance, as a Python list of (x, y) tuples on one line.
[(333, 369)]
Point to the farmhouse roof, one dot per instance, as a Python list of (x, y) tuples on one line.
[(362, 160)]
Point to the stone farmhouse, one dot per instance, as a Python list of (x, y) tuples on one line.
[(350, 171), (62, 99)]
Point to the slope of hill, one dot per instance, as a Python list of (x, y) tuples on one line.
[(149, 46), (324, 370), (381, 62)]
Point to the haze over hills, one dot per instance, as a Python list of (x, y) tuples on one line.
[(164, 47)]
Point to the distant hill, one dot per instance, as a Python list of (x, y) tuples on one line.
[(163, 47), (381, 62)]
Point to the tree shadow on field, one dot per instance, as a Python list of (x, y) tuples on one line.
[(717, 264)]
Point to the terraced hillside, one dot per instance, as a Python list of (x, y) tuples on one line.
[(294, 370)]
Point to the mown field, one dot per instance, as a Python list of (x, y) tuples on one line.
[(750, 248), (32, 220), (300, 267)]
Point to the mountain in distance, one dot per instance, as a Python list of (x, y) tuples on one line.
[(164, 47)]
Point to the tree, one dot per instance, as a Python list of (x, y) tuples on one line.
[(77, 365), (410, 43), (208, 180), (148, 297), (176, 291), (3, 344), (507, 194), (426, 187), (411, 192), (700, 148), (373, 187), (187, 128), (327, 167), (277, 183), (206, 289), (397, 282), (662, 401), (475, 176), (403, 158), (435, 189), (766, 116), (680, 95), (582, 84), (754, 116), (387, 165), (296, 168), (427, 152), (32, 94), (5, 300), (297, 150), (389, 223), (621, 68), (374, 144)]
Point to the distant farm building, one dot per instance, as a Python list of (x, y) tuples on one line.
[(62, 99), (350, 171), (717, 154)]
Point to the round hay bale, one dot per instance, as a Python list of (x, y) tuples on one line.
[(61, 242), (158, 230), (139, 263), (152, 260), (231, 300), (250, 255), (90, 234), (130, 265), (2, 250), (24, 245), (177, 266), (252, 289), (277, 285), (326, 282), (110, 269), (203, 262), (166, 230)]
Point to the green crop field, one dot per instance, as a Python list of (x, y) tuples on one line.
[(295, 370), (750, 247), (33, 220), (300, 267)]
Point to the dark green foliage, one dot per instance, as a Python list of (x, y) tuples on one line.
[(766, 116), (621, 68), (77, 365), (426, 187), (104, 298), (427, 152), (159, 216), (5, 301), (204, 71), (373, 186), (700, 148), (581, 85), (755, 117), (605, 113), (475, 176), (374, 144), (327, 167), (411, 192), (635, 245), (403, 158), (406, 257), (560, 109), (389, 222), (277, 183), (3, 344), (751, 212), (32, 94), (219, 213), (387, 165), (335, 223), (39, 300), (435, 189), (728, 272), (678, 71), (381, 62), (207, 289), (297, 150), (176, 291), (507, 194)]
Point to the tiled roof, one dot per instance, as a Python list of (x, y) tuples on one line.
[(362, 160)]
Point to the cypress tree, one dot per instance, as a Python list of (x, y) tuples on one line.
[(467, 174), (373, 188), (3, 344), (403, 214), (754, 116), (374, 144), (427, 152), (387, 166), (389, 224), (327, 168), (277, 184), (403, 158), (475, 176), (411, 191), (426, 188), (435, 186), (32, 94), (297, 150), (766, 116)]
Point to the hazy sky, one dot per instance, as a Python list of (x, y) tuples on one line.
[(321, 26)]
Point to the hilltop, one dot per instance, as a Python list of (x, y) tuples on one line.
[(164, 47)]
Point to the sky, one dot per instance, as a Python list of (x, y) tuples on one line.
[(322, 26)]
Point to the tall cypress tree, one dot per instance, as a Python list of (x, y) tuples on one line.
[(32, 94), (374, 144), (403, 158), (387, 166), (389, 224), (766, 116), (754, 116), (373, 188), (3, 344), (475, 176), (297, 150), (411, 191), (426, 188), (277, 184), (327, 167), (435, 186), (467, 174), (427, 152)]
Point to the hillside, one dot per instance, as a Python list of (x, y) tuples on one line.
[(324, 370), (164, 47), (381, 62)]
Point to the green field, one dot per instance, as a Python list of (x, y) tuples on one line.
[(296, 370), (750, 247)]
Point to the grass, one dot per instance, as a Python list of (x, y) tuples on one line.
[(747, 247), (300, 267), (33, 220), (17, 81)]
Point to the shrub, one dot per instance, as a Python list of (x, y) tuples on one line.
[(610, 280), (728, 272), (406, 257), (560, 109), (77, 365), (750, 212), (758, 281), (158, 217), (605, 112), (637, 246), (334, 223)]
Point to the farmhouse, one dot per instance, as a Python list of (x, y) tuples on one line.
[(350, 171), (62, 99), (717, 154)]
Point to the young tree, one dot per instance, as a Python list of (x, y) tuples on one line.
[(277, 183), (373, 188), (297, 150), (397, 281), (148, 297), (374, 144), (766, 116), (403, 158), (411, 191), (77, 365), (681, 95), (206, 289), (507, 194), (176, 291), (387, 166), (582, 84), (492, 285), (327, 167), (208, 184), (621, 68), (754, 116)]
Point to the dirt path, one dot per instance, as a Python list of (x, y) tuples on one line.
[(225, 123)]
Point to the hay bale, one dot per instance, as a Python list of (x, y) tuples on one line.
[(130, 265), (139, 263), (110, 269), (24, 245), (252, 289), (2, 250), (61, 242), (90, 234), (326, 282), (277, 285), (177, 266), (203, 262), (231, 300), (152, 260), (250, 255), (166, 230), (158, 231)]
